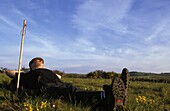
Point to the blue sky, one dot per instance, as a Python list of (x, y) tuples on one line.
[(85, 35)]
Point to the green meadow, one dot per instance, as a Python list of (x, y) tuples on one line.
[(142, 96)]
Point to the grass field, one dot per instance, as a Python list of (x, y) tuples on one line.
[(143, 96)]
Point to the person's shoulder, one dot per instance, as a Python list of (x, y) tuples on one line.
[(43, 71)]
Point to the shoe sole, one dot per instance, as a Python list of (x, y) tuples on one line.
[(118, 92), (125, 78)]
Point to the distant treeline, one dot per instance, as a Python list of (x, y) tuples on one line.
[(135, 73), (135, 76), (151, 80)]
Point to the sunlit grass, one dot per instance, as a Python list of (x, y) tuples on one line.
[(143, 96)]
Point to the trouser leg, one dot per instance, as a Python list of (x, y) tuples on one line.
[(59, 93), (79, 96), (76, 95), (87, 98), (60, 90)]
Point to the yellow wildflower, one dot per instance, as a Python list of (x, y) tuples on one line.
[(25, 104), (151, 101), (144, 97), (43, 105), (30, 108), (137, 100)]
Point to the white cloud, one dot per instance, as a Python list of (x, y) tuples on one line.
[(159, 30), (84, 45), (9, 22), (96, 15)]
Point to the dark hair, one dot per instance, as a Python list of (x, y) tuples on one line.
[(34, 59)]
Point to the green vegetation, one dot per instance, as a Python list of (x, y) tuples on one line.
[(143, 96)]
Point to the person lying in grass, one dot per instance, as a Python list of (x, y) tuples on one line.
[(44, 82)]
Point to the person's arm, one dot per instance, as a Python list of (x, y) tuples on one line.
[(11, 73)]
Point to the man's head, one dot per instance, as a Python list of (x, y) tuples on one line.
[(36, 62)]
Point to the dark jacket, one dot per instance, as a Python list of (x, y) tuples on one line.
[(37, 78)]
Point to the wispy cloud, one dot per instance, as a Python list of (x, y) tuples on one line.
[(159, 30), (9, 22), (97, 15)]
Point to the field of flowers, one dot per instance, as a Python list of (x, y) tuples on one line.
[(143, 96)]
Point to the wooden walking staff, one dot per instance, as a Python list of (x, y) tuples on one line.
[(21, 50)]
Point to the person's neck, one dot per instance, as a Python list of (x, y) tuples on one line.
[(39, 67)]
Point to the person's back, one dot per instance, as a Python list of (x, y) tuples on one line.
[(46, 83), (36, 78), (47, 76)]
